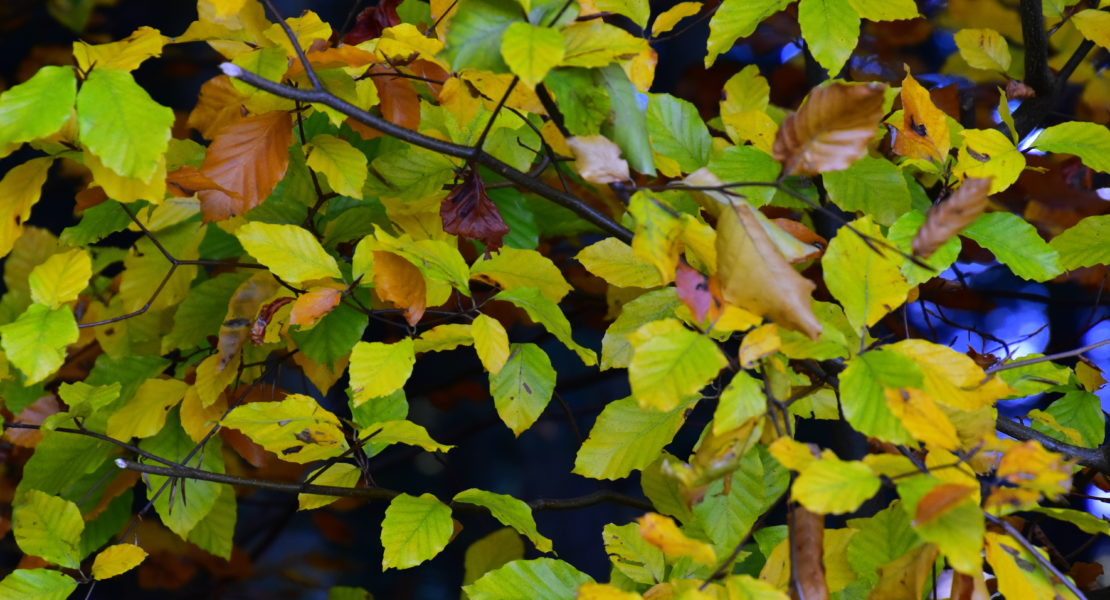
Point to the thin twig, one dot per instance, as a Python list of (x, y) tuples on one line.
[(1047, 358), (1029, 547), (1089, 457)]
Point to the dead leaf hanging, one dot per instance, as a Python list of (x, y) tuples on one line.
[(469, 213), (950, 217), (831, 130), (370, 23), (807, 533)]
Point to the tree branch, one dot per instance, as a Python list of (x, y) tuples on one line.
[(1094, 458), (1048, 358), (1035, 38), (1031, 549)]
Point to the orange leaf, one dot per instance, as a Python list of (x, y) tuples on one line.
[(33, 414), (187, 181), (924, 130), (469, 213), (399, 102), (218, 105), (247, 158), (831, 130), (315, 304), (950, 217), (807, 535), (396, 280), (939, 501), (804, 235)]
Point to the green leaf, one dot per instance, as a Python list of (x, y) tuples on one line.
[(333, 336), (84, 399), (626, 438), (901, 234), (868, 284), (631, 554), (638, 11), (677, 131), (60, 460), (379, 369), (1089, 141), (474, 37), (1016, 244), (627, 124), (1083, 244), (984, 49), (616, 350), (511, 268), (863, 400), (670, 363), (1081, 411), (885, 10), (510, 511), (748, 163), (61, 278), (119, 123), (539, 579), (415, 529), (830, 29), (410, 173), (214, 532), (581, 98), (36, 584), (833, 486), (1086, 522), (48, 527), (742, 399), (880, 539), (296, 428), (290, 252), (402, 432), (490, 552), (339, 475), (200, 497), (728, 514), (36, 342), (491, 342), (340, 162), (523, 387), (97, 222), (958, 532), (37, 107), (545, 312), (202, 311), (531, 51), (872, 185), (736, 19)]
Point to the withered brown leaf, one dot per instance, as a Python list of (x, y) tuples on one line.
[(469, 213), (807, 537), (247, 158), (950, 217), (371, 21), (831, 130)]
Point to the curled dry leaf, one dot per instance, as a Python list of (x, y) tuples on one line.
[(597, 159), (241, 311), (807, 548), (831, 130), (247, 158), (1018, 90), (265, 315), (469, 213), (755, 276), (950, 217), (371, 21)]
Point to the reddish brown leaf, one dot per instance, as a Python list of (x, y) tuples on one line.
[(940, 500), (805, 235), (831, 130), (187, 181), (1016, 89), (218, 105), (90, 197), (400, 103), (698, 292), (396, 280), (469, 213), (33, 414), (310, 307), (950, 217), (1086, 574), (371, 21), (807, 537), (247, 158), (265, 315)]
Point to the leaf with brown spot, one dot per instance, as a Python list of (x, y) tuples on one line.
[(831, 130), (371, 21), (924, 130), (939, 501), (755, 276), (310, 307), (398, 281), (469, 213), (947, 219), (265, 315), (247, 158), (241, 311), (807, 536)]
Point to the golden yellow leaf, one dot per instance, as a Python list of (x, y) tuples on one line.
[(117, 559), (921, 416), (660, 531), (924, 129)]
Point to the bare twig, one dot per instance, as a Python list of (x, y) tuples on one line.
[(1029, 547), (1047, 358)]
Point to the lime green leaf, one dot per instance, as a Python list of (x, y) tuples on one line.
[(145, 414), (435, 259), (1081, 411), (830, 485), (1034, 378), (379, 369), (268, 63), (173, 444), (83, 399), (531, 51), (510, 511), (868, 284), (885, 10), (339, 475), (742, 399), (737, 19), (36, 342), (59, 279), (415, 529), (539, 579), (402, 432), (491, 342), (117, 559), (295, 428), (490, 552), (677, 132), (1083, 245), (631, 554), (214, 532), (872, 185), (474, 38), (1094, 25), (880, 539), (48, 527), (670, 363), (36, 584), (1016, 244), (1086, 522), (730, 510), (511, 268), (443, 337), (984, 49), (545, 312), (615, 262), (958, 532), (638, 11), (901, 234), (831, 29), (37, 107), (1089, 141), (616, 350), (863, 399), (119, 123), (291, 252), (627, 125), (626, 438), (523, 387), (339, 161)]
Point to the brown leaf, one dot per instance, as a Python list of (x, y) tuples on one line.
[(755, 276), (831, 130), (400, 103), (265, 315), (597, 159), (700, 293), (1016, 89), (187, 181), (398, 281), (33, 414), (218, 105), (310, 307), (807, 536), (247, 158), (804, 235), (371, 21), (967, 587), (241, 311), (950, 217), (469, 213)]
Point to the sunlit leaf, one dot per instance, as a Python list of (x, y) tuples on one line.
[(958, 532), (512, 268), (491, 342), (339, 475), (20, 190), (121, 124), (1076, 245), (1094, 25), (37, 584), (308, 308), (403, 432), (61, 278), (1089, 141), (296, 429), (865, 279), (37, 107), (126, 54), (872, 185), (667, 20), (830, 29), (626, 437), (415, 529), (291, 252), (145, 414), (531, 51), (544, 311), (830, 485), (661, 532), (116, 560), (48, 527), (36, 342), (988, 153), (398, 281), (379, 369), (984, 49), (490, 552), (737, 19), (339, 161), (923, 132), (510, 511), (1016, 244)]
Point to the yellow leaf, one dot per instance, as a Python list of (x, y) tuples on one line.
[(403, 432), (671, 17), (126, 54), (491, 342), (605, 591), (868, 282), (379, 369), (403, 40), (513, 268), (670, 363), (793, 454), (196, 419), (830, 485), (1031, 466), (597, 159), (924, 129), (145, 414), (615, 262), (290, 252), (212, 380), (296, 429), (950, 377), (743, 111), (127, 189), (988, 153), (61, 278), (984, 49), (227, 8), (1094, 25), (443, 337), (761, 341), (595, 43), (338, 475), (921, 416), (1015, 570), (661, 532), (307, 28), (20, 189), (342, 164), (117, 559)]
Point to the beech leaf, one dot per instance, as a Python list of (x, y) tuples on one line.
[(947, 219), (831, 130), (597, 159), (247, 158), (469, 213)]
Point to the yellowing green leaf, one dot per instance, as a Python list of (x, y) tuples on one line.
[(736, 19), (958, 532), (512, 268), (117, 559), (48, 527), (671, 363), (1089, 141), (546, 312), (403, 432), (950, 377), (1016, 244), (415, 529), (510, 511), (296, 428), (637, 10), (490, 552), (988, 153), (616, 351), (339, 161), (59, 279), (677, 132), (119, 123), (833, 486), (984, 49), (626, 438), (20, 189), (539, 579), (661, 532), (379, 369), (868, 284), (742, 399), (920, 415), (872, 185), (531, 51), (1094, 25), (37, 584), (291, 252), (37, 107), (443, 337), (523, 387), (435, 259), (126, 54), (615, 262), (339, 475), (594, 43), (673, 15), (830, 29), (145, 414), (885, 10), (36, 342), (862, 387), (1079, 246), (491, 342)]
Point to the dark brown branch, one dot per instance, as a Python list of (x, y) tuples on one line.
[(1094, 458), (1035, 37)]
